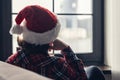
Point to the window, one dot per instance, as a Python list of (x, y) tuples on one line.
[(82, 25)]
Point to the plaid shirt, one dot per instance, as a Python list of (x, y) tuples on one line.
[(68, 67)]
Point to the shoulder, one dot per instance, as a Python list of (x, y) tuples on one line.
[(11, 58)]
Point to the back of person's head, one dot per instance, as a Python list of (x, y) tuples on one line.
[(40, 27), (29, 48)]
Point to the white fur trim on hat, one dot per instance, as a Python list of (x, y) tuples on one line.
[(16, 29), (41, 38)]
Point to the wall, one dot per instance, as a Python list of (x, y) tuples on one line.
[(112, 36), (5, 24)]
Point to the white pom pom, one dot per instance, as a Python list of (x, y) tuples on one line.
[(16, 29)]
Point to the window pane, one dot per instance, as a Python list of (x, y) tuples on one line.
[(73, 6), (18, 5), (77, 32)]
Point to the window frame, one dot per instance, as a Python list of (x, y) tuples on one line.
[(97, 58)]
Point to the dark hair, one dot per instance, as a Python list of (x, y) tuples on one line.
[(32, 48)]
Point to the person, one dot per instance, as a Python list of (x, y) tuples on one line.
[(36, 37)]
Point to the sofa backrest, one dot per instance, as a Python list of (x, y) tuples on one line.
[(10, 72)]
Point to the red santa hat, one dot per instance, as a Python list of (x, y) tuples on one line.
[(40, 26)]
